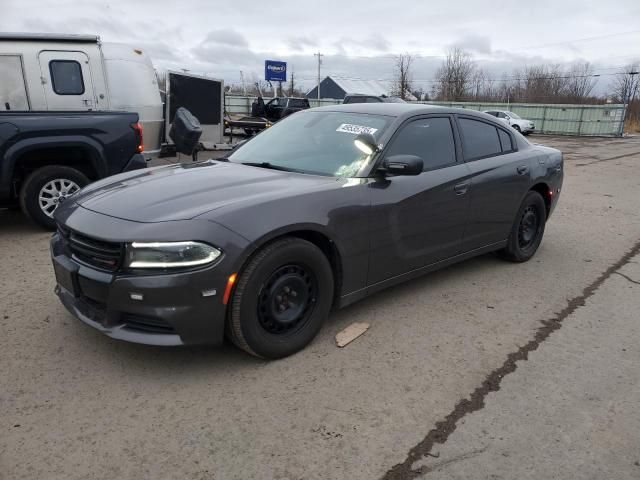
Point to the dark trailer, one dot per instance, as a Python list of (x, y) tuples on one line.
[(204, 98)]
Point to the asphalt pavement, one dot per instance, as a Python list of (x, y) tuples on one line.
[(487, 369)]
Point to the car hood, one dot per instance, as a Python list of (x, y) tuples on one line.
[(185, 191)]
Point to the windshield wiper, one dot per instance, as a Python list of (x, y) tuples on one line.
[(268, 165)]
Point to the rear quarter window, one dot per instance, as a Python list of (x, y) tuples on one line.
[(505, 141)]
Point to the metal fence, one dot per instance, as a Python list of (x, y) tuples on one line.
[(557, 119)]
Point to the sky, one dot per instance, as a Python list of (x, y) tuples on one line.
[(357, 39)]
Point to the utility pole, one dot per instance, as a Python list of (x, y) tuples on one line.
[(319, 55), (244, 86)]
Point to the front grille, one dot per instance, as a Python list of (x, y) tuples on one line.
[(143, 324), (96, 253)]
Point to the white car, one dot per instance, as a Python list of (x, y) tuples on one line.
[(520, 124)]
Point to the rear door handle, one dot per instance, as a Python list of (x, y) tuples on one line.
[(523, 170), (461, 188)]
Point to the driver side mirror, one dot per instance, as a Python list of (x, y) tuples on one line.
[(403, 165)]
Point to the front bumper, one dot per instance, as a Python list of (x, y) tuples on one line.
[(181, 308)]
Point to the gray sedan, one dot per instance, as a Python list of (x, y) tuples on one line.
[(323, 209)]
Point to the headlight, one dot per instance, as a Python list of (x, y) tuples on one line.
[(170, 254)]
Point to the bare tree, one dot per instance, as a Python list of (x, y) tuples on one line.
[(626, 85), (402, 82), (455, 75), (479, 84), (580, 82)]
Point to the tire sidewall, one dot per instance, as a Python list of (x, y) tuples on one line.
[(34, 183), (514, 250), (245, 306)]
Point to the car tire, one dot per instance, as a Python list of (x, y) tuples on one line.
[(281, 299), (517, 128), (41, 192), (527, 230)]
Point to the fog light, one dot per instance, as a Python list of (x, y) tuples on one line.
[(136, 296)]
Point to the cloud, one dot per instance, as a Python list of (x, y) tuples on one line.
[(474, 43), (298, 44), (183, 35), (225, 37), (378, 42)]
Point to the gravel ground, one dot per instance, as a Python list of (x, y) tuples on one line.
[(484, 370)]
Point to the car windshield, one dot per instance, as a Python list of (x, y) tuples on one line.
[(513, 115), (318, 143)]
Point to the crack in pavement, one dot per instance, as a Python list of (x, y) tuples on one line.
[(445, 427), (627, 277), (459, 458), (607, 159)]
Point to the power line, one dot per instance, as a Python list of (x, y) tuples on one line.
[(584, 39)]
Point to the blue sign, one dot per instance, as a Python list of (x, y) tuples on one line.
[(275, 71)]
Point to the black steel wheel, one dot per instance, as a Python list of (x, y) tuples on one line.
[(281, 300), (528, 229), (286, 300)]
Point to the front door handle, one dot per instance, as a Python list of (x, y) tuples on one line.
[(461, 188), (523, 170)]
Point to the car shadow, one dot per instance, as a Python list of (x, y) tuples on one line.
[(14, 222)]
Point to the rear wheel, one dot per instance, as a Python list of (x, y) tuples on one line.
[(282, 298), (45, 188), (528, 229)]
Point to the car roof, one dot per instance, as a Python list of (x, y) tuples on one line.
[(398, 109)]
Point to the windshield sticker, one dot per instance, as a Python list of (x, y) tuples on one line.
[(355, 129)]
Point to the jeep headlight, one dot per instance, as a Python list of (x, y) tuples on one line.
[(170, 254)]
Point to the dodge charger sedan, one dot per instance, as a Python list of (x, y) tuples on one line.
[(328, 206)]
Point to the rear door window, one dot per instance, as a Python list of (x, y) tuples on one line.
[(66, 77), (430, 139), (297, 103), (479, 139)]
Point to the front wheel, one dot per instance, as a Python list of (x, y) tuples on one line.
[(517, 128), (527, 230), (281, 300), (45, 188)]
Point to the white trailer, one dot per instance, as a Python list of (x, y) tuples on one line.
[(43, 72)]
